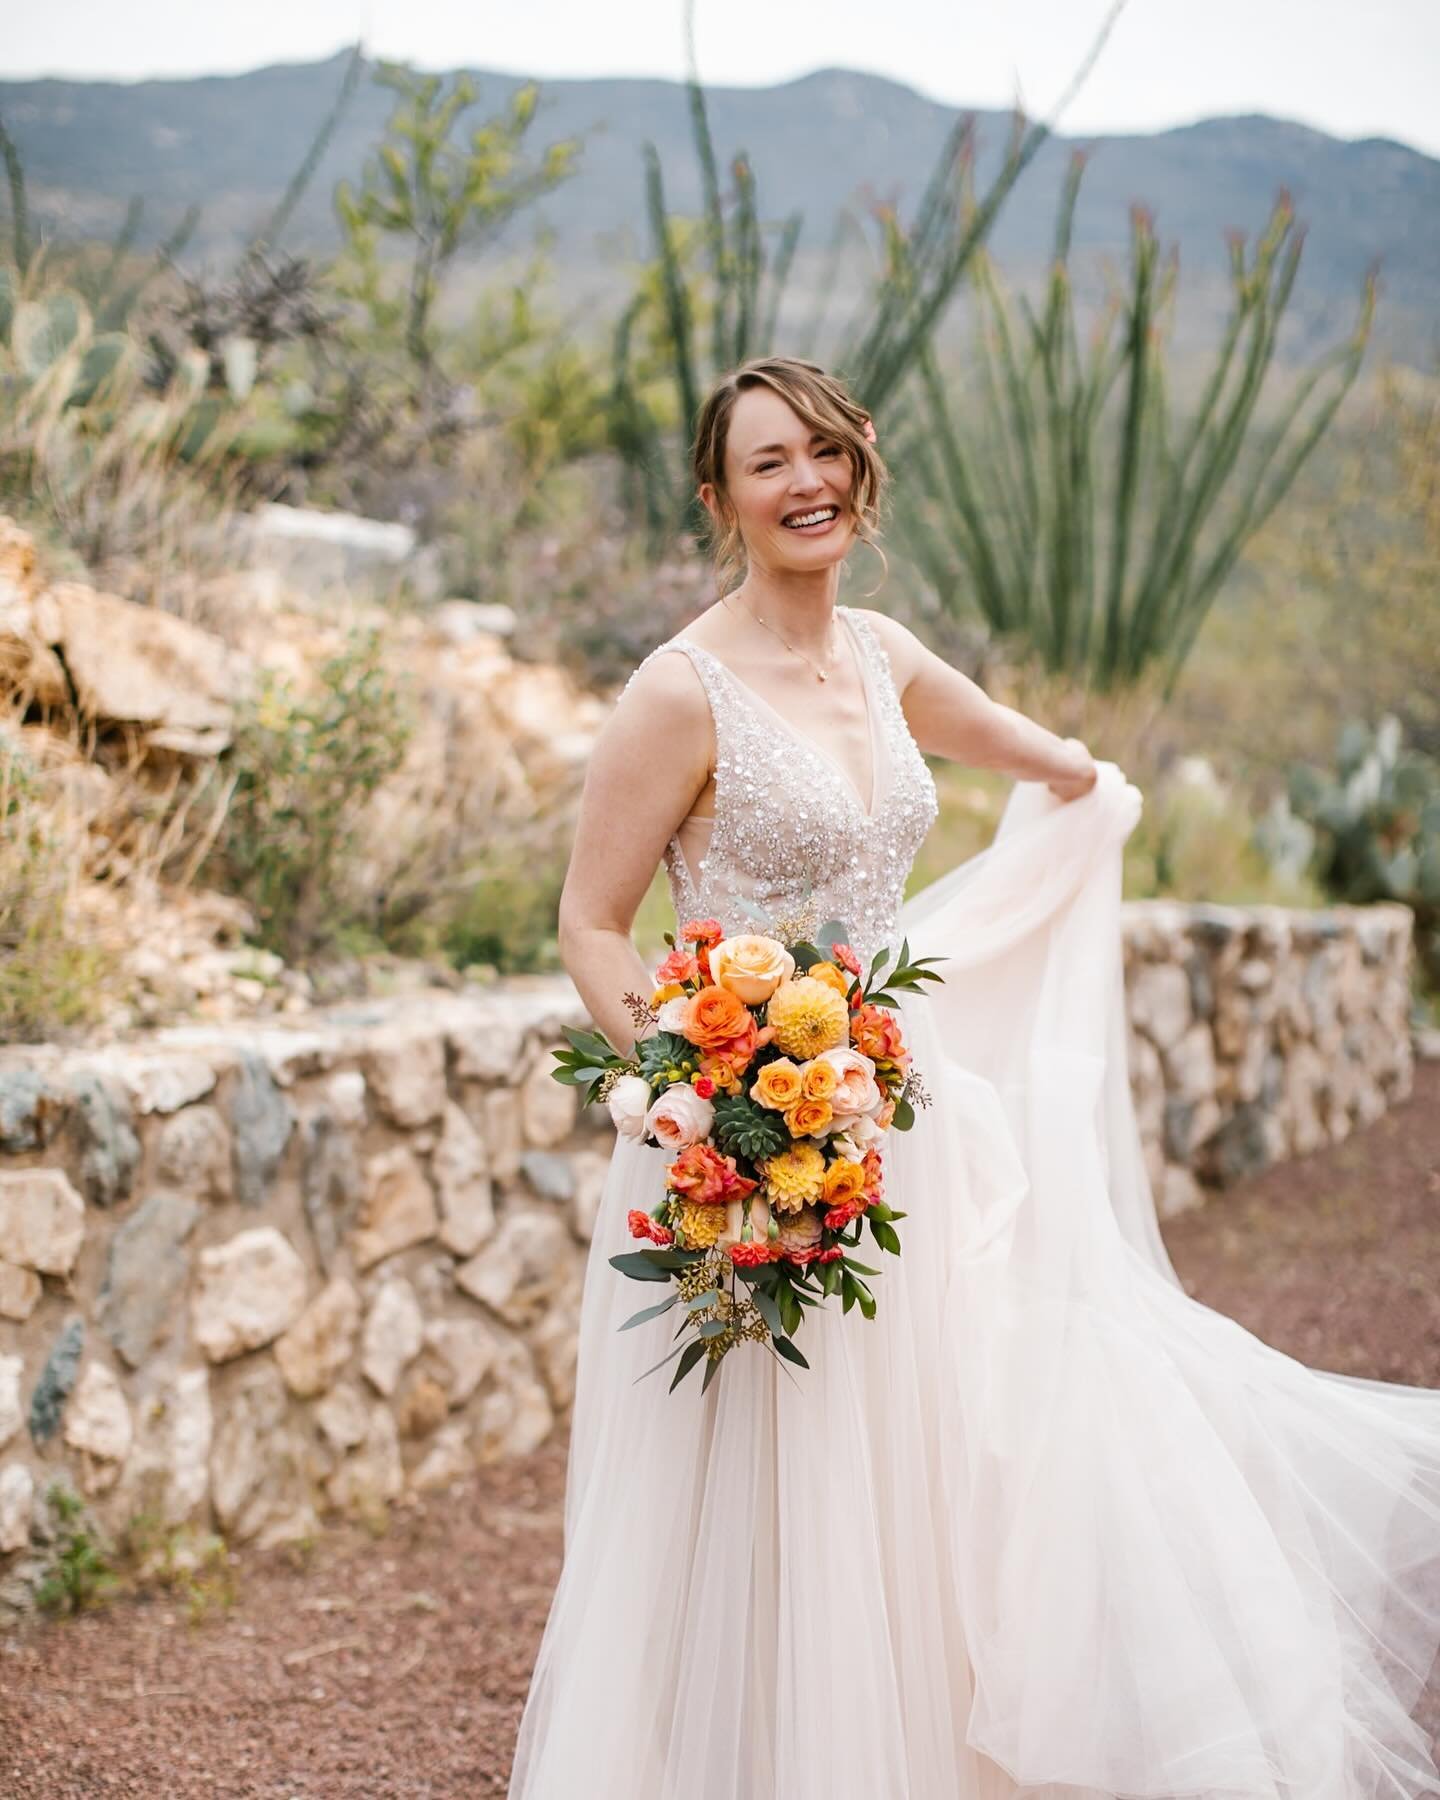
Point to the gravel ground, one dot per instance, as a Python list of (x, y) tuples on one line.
[(398, 1667)]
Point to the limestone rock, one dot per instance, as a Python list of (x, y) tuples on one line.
[(163, 1083), (556, 1342), (97, 1420), (503, 1134), (17, 1506), (30, 1110), (100, 1125), (57, 1378), (193, 1154), (406, 1071), (167, 1473), (258, 1481), (372, 1474), (547, 1106), (422, 1409), (332, 1183), (529, 1261), (342, 1416), (42, 1220), (260, 1121), (590, 1167), (1159, 1002), (550, 1174), (247, 1292), (1179, 1193), (513, 1420), (19, 1292), (315, 1349), (146, 1274), (448, 1460), (489, 1051), (12, 1414), (394, 1332), (462, 1176), (399, 1207), (461, 1352)]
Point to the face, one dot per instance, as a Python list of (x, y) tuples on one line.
[(777, 470)]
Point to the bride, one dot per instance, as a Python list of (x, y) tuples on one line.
[(1045, 1525)]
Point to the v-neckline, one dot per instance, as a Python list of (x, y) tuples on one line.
[(868, 813)]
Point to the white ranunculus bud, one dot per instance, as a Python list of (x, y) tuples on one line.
[(629, 1101)]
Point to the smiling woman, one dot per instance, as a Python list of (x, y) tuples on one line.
[(1063, 1529)]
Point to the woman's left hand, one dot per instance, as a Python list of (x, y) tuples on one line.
[(1084, 776)]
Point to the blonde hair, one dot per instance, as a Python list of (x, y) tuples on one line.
[(824, 403)]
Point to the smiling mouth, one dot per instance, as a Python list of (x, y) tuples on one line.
[(816, 519)]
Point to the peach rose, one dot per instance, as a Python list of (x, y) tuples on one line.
[(819, 1079), (715, 1016), (679, 1117), (751, 966), (854, 1135), (856, 1090), (778, 1085), (831, 975), (808, 1118)]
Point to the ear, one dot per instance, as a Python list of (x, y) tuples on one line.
[(710, 500)]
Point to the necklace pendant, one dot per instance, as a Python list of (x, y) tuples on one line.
[(822, 675)]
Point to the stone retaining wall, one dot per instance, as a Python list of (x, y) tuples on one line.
[(250, 1274)]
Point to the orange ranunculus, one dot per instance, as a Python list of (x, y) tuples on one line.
[(875, 1032), (832, 975), (844, 1180), (872, 1171), (715, 1016), (808, 1118), (819, 1080), (680, 966), (741, 1048), (886, 1114), (720, 1069), (778, 1085)]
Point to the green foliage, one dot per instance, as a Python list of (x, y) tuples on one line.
[(79, 1573), (183, 1560), (1376, 821), (303, 767), (1098, 541), (505, 921), (437, 196)]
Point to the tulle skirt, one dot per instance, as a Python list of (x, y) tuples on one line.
[(1045, 1526)]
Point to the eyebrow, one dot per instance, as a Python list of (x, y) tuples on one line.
[(765, 447)]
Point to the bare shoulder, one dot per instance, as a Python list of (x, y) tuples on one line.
[(663, 703), (899, 643)]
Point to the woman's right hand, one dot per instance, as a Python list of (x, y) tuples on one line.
[(1072, 785)]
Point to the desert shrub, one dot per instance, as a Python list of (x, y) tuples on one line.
[(303, 766), (51, 978)]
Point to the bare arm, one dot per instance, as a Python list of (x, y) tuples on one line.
[(950, 715), (652, 758)]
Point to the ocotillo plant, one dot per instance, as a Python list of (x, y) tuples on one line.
[(726, 277), (1097, 539)]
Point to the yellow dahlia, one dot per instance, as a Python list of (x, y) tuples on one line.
[(807, 1016), (794, 1176), (700, 1225)]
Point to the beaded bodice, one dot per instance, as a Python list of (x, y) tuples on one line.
[(790, 834)]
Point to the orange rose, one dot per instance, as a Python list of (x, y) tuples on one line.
[(778, 1085), (714, 1016), (819, 1080), (808, 1118), (844, 1181)]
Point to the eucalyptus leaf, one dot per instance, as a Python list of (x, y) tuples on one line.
[(693, 1353), (649, 1312), (790, 1353)]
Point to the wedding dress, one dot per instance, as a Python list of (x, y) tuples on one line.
[(1045, 1526)]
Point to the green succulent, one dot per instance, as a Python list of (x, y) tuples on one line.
[(744, 1129), (665, 1051)]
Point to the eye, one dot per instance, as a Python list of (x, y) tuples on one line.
[(831, 450), (760, 468)]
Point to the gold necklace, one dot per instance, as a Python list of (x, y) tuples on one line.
[(820, 674)]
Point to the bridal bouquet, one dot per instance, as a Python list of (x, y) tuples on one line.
[(773, 1074)]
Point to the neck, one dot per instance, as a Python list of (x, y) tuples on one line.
[(801, 607)]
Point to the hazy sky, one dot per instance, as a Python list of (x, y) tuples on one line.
[(1355, 68)]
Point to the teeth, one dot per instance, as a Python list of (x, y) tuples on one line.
[(825, 512)]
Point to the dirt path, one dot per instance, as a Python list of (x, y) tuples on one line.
[(397, 1668)]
